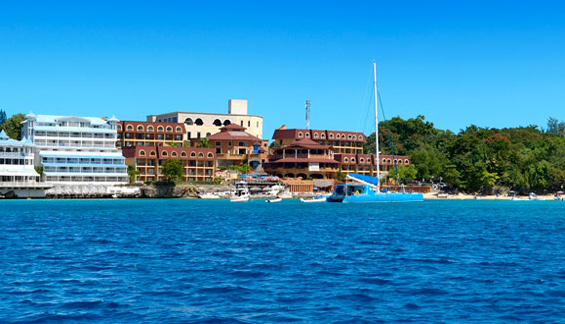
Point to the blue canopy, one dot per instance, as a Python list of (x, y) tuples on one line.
[(364, 178)]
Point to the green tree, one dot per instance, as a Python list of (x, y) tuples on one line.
[(172, 170), (3, 118), (133, 173), (13, 126), (203, 142), (407, 173), (340, 176)]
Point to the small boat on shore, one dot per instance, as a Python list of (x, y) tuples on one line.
[(274, 200)]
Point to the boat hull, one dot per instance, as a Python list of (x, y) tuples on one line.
[(389, 197)]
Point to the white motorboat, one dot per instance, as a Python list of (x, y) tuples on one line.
[(274, 200), (313, 200), (241, 192), (209, 196)]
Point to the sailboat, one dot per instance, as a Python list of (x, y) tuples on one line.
[(367, 188)]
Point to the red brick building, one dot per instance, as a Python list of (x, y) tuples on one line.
[(199, 163)]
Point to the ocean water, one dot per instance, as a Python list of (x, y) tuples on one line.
[(191, 261)]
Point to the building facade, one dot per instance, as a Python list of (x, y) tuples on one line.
[(340, 141), (201, 125), (136, 133), (77, 150), (320, 154), (18, 178), (198, 163), (233, 145)]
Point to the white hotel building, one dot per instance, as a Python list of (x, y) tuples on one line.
[(77, 150)]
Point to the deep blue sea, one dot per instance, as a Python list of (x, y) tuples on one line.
[(194, 261)]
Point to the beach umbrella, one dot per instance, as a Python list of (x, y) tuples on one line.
[(560, 192)]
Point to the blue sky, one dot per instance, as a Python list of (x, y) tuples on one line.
[(489, 63)]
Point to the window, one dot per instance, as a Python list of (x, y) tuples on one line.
[(315, 135), (218, 143), (406, 161), (346, 160), (229, 143), (189, 121), (300, 135), (183, 154), (188, 135), (337, 136), (307, 135), (140, 128), (323, 136), (354, 137), (178, 129), (248, 123), (242, 144), (210, 155), (142, 153), (217, 123), (192, 154), (226, 122), (349, 136), (360, 137), (208, 134), (199, 122), (169, 129), (129, 127), (174, 153), (241, 122), (160, 128), (352, 160), (198, 135), (362, 160), (119, 128), (164, 153), (200, 155), (149, 128)]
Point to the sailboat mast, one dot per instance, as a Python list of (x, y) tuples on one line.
[(376, 127)]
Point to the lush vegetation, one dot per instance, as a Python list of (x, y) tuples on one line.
[(13, 125), (172, 170), (478, 159)]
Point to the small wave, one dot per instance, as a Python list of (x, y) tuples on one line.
[(376, 281), (429, 292)]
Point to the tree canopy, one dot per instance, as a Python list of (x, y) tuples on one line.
[(13, 126), (479, 159), (172, 169)]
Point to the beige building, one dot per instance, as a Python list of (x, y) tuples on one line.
[(200, 125)]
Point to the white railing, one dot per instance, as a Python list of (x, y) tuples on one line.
[(25, 184)]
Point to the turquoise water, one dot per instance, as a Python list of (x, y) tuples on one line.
[(191, 261)]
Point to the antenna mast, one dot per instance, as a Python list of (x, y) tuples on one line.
[(307, 114)]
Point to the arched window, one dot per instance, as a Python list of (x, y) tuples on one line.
[(307, 135), (119, 127), (210, 155), (227, 122), (200, 154), (343, 136), (346, 160), (354, 137), (315, 135), (142, 153), (208, 134), (149, 128), (199, 122), (140, 128), (360, 137), (183, 154), (160, 128), (178, 130), (362, 160), (169, 129), (300, 135), (406, 161), (152, 153), (337, 136), (331, 136), (189, 121), (352, 160), (164, 153), (192, 154), (349, 136), (388, 160), (174, 153), (129, 127), (217, 122)]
